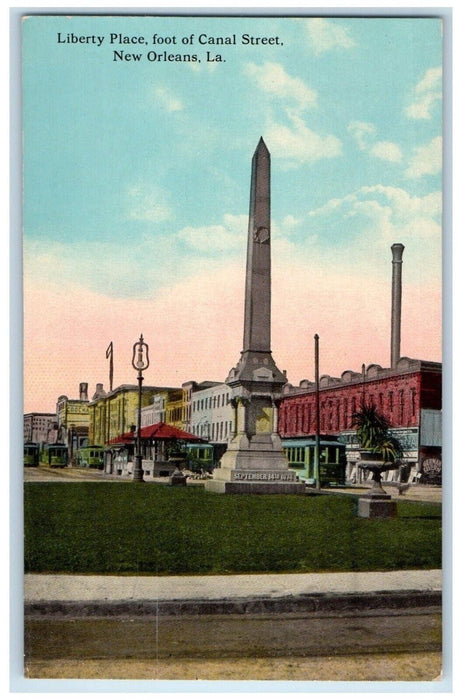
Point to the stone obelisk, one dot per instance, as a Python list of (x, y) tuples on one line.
[(254, 461)]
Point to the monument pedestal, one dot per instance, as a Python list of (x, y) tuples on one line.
[(377, 506), (376, 503), (255, 461), (254, 471), (255, 487)]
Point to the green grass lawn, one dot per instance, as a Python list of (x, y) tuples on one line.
[(152, 528)]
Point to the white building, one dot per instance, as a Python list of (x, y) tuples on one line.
[(40, 427), (155, 412), (212, 414)]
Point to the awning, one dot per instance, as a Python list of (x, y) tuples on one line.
[(158, 431), (125, 438)]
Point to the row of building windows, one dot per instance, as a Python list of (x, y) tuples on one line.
[(174, 415), (336, 413), (215, 432), (211, 402)]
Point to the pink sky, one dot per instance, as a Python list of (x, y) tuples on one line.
[(194, 329)]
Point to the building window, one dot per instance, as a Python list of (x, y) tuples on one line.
[(306, 425), (401, 405), (413, 402)]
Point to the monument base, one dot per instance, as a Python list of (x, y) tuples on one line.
[(377, 507), (249, 474), (254, 487)]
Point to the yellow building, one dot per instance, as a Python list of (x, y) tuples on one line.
[(174, 409), (163, 407), (73, 419), (116, 413)]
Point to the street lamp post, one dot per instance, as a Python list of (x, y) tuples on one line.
[(140, 362)]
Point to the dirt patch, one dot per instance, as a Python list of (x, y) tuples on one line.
[(425, 666)]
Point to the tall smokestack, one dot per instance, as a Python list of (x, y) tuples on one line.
[(83, 391), (397, 263)]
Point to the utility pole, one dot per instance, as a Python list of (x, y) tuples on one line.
[(110, 356), (318, 436)]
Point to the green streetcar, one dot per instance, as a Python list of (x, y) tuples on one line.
[(91, 456), (199, 457), (54, 455), (301, 453), (31, 454)]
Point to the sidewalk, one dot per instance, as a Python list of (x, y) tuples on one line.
[(42, 587), (65, 595)]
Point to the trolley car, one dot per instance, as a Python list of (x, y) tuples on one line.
[(91, 456), (54, 455), (199, 457), (31, 454), (301, 454)]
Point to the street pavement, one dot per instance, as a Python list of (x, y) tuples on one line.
[(167, 628)]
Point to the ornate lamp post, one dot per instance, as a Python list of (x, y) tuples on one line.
[(140, 362)]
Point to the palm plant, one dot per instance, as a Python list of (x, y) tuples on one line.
[(373, 434)]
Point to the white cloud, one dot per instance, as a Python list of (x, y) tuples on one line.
[(292, 142), (148, 202), (405, 206), (373, 218), (426, 93), (228, 236), (290, 221), (387, 150), (273, 79), (138, 267), (362, 133), (427, 159), (421, 109), (167, 99), (430, 81), (326, 35), (298, 144), (331, 205)]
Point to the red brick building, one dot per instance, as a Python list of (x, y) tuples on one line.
[(409, 396)]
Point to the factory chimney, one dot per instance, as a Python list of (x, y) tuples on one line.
[(397, 263), (83, 391)]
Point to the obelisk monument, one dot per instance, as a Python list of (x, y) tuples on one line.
[(254, 461)]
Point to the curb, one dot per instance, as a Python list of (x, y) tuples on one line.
[(411, 601)]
